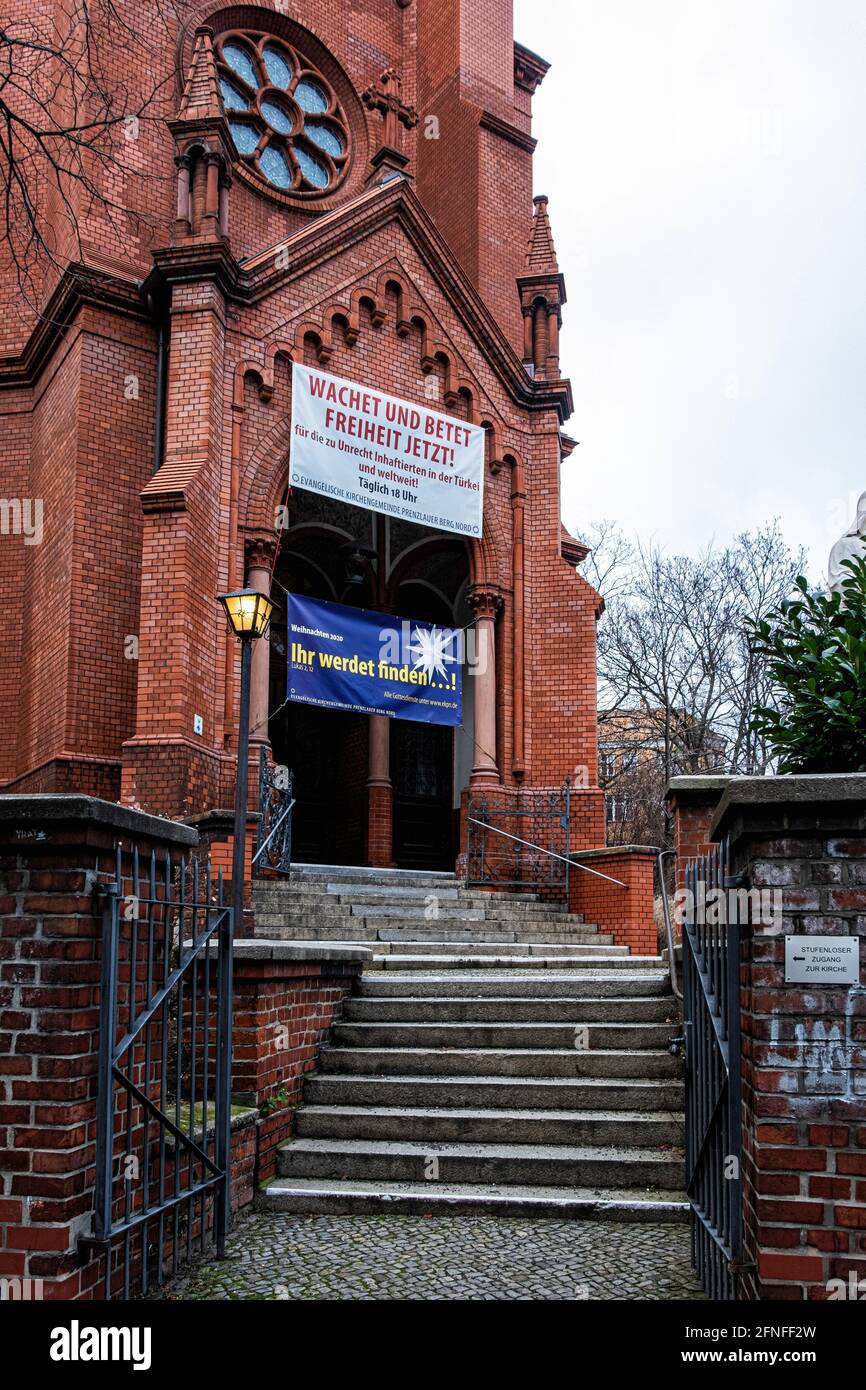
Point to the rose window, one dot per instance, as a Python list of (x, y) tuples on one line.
[(284, 116)]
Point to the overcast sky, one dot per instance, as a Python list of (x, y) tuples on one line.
[(706, 168)]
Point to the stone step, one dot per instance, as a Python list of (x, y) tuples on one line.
[(618, 1129), (379, 892), (406, 912), (588, 1037), (583, 1093), (309, 872), (312, 1196), (450, 912), (590, 958), (490, 934), (447, 950), (502, 984), (423, 911), (358, 932), (449, 893), (537, 1009), (529, 1165), (360, 881), (498, 1061), (337, 910)]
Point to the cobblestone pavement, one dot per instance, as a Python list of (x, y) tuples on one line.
[(445, 1257)]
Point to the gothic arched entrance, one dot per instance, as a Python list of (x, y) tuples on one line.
[(370, 789)]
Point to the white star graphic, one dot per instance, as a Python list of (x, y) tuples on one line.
[(430, 649)]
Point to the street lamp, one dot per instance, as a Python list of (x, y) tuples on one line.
[(249, 613)]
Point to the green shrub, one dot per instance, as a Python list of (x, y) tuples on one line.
[(815, 646)]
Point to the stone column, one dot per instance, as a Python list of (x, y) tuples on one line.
[(259, 555), (223, 219), (485, 603), (380, 796), (182, 221), (213, 165), (540, 337), (528, 335), (552, 364)]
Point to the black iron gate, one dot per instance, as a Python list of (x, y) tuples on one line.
[(711, 1007), (273, 848), (519, 843), (164, 1089)]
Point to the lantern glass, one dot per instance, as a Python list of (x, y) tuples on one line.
[(249, 612)]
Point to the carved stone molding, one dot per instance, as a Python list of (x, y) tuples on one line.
[(485, 601), (259, 551)]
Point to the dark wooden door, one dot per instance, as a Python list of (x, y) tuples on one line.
[(421, 774), (327, 750)]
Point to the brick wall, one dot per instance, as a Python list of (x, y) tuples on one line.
[(53, 851), (626, 912)]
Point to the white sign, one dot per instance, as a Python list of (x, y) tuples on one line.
[(360, 446), (822, 960)]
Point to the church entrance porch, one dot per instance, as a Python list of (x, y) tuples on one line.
[(369, 789)]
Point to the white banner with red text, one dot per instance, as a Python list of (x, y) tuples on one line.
[(361, 446)]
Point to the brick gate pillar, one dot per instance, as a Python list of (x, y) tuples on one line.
[(54, 851), (691, 804), (800, 842)]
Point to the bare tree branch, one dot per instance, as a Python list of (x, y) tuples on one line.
[(678, 677), (75, 93)]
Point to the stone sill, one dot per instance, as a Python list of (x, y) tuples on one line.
[(792, 789), (71, 808)]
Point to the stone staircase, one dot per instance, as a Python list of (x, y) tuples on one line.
[(502, 1057), (320, 903)]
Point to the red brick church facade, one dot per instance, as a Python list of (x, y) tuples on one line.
[(351, 187)]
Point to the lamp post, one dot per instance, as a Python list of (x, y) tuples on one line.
[(249, 613)]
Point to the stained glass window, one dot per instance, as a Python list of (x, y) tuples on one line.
[(294, 133)]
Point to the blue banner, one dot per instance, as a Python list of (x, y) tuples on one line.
[(370, 663)]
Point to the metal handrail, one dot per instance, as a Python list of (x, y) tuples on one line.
[(660, 857), (552, 854)]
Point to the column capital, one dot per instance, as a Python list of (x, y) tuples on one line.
[(484, 600), (259, 551)]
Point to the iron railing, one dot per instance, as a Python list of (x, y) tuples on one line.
[(531, 841), (164, 1071), (711, 1006), (273, 848), (539, 849)]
